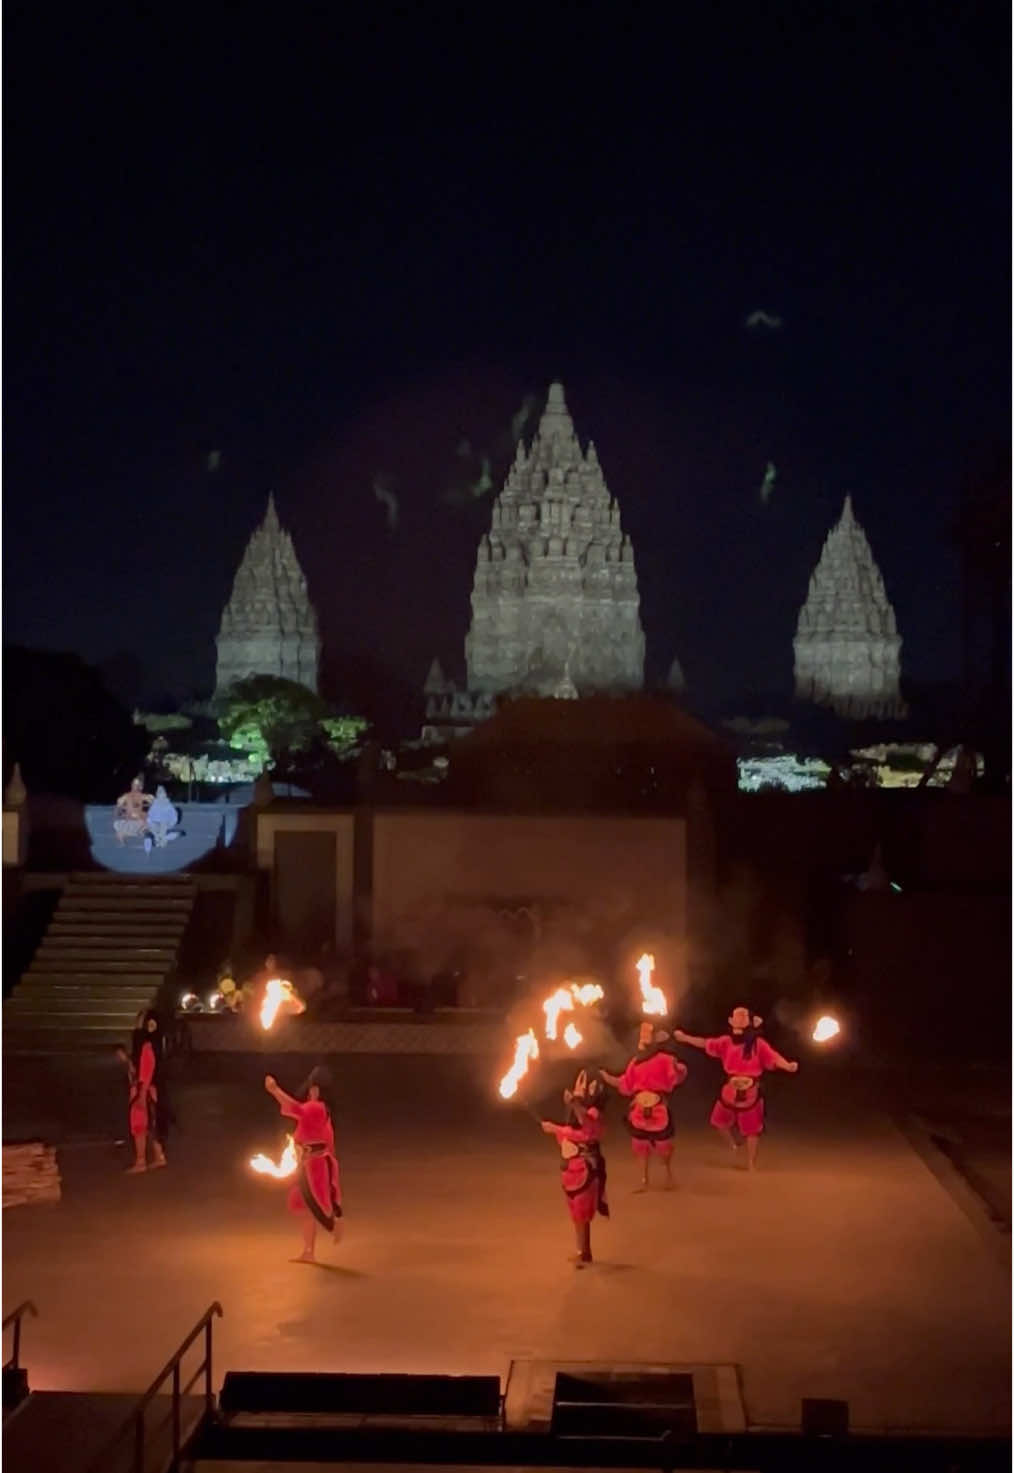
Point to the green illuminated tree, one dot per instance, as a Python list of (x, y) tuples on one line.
[(271, 719)]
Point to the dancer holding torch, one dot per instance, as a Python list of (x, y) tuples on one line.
[(583, 1166), (649, 1081), (316, 1196), (745, 1057)]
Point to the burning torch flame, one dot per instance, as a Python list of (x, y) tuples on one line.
[(276, 993), (285, 1167), (526, 1049), (825, 1028), (571, 1037), (587, 994), (560, 1002), (652, 998)]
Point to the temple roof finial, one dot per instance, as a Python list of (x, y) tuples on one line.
[(556, 422)]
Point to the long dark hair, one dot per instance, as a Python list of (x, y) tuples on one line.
[(749, 1035), (144, 1035), (320, 1077)]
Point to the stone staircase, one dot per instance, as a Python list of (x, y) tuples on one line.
[(111, 944)]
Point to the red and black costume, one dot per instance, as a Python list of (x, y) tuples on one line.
[(148, 1105), (649, 1082), (582, 1164), (318, 1186), (745, 1058)]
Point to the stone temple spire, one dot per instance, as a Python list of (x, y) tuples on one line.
[(847, 646), (555, 602), (269, 626)]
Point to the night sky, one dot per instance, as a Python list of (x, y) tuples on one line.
[(330, 249)]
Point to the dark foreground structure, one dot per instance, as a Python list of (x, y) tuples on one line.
[(645, 1419)]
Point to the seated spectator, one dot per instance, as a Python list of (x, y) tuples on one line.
[(162, 818), (131, 812)]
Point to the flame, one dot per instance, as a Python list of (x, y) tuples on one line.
[(653, 1001), (825, 1028), (285, 1167), (571, 1037), (276, 993), (526, 1049), (560, 1002), (587, 994)]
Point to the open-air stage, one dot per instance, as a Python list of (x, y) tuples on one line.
[(843, 1268)]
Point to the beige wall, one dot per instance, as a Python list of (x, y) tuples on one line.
[(440, 857), (14, 830), (342, 825)]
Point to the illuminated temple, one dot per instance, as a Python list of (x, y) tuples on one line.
[(555, 602), (269, 626), (847, 647)]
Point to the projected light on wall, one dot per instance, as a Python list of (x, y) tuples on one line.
[(201, 829)]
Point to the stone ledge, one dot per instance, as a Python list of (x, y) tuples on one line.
[(354, 1038), (30, 1174)]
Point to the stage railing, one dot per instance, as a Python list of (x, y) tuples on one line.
[(135, 1424), (15, 1318)]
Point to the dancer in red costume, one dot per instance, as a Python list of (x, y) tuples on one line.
[(148, 1112), (648, 1082), (745, 1057), (583, 1167), (316, 1196)]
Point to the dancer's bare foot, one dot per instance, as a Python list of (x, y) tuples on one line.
[(583, 1262), (306, 1258), (158, 1161), (137, 1167)]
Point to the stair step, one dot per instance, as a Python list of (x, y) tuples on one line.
[(48, 1012), (57, 949), (85, 963), (126, 905), (67, 1017), (114, 991), (89, 979), (126, 925)]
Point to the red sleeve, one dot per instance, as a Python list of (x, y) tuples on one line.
[(679, 1072), (292, 1108), (715, 1047), (627, 1084), (146, 1066), (766, 1054)]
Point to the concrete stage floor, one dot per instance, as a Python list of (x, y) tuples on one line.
[(843, 1268)]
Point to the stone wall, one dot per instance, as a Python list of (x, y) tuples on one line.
[(30, 1174)]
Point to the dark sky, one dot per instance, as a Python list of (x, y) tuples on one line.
[(331, 247)]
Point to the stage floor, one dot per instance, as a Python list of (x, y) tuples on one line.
[(843, 1268)]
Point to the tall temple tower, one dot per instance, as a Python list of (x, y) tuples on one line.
[(847, 647), (555, 606), (268, 626)]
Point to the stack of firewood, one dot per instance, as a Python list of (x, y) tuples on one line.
[(30, 1174)]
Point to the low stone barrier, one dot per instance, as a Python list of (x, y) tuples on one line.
[(30, 1174), (300, 1036)]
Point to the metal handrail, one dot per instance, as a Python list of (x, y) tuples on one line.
[(135, 1420), (15, 1318)]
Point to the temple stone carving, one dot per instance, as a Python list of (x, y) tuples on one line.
[(847, 647), (555, 605), (269, 626)]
